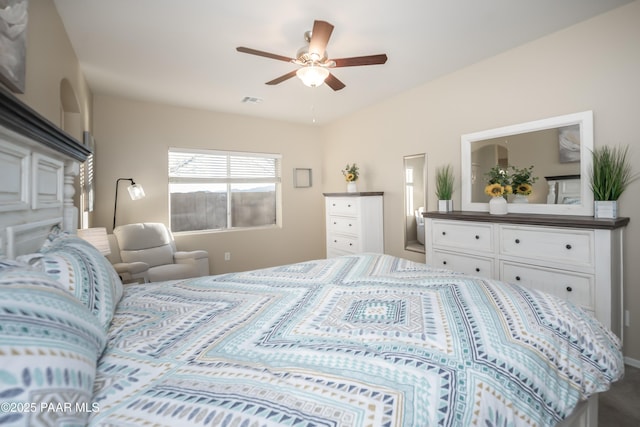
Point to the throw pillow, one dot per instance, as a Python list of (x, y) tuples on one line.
[(49, 347)]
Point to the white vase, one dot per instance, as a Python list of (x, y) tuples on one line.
[(605, 209), (551, 195), (352, 187), (520, 198), (498, 206)]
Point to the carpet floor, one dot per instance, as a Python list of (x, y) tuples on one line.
[(620, 406)]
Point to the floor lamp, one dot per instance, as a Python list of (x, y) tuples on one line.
[(135, 191)]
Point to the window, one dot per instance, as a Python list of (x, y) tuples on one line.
[(408, 179), (87, 183), (214, 190)]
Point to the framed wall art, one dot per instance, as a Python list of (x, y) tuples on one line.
[(302, 178), (569, 144), (13, 43)]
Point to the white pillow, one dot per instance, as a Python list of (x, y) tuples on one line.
[(82, 270)]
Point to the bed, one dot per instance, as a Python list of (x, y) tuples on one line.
[(564, 189), (361, 340)]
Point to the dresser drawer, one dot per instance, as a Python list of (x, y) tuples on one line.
[(575, 287), (343, 224), (333, 252), (463, 235), (346, 244), (471, 265), (574, 247), (343, 206)]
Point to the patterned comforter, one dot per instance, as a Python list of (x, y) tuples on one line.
[(366, 340)]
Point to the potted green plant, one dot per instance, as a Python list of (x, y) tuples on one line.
[(522, 181), (444, 188), (611, 173)]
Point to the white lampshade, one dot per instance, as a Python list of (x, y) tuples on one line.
[(312, 75), (97, 237), (136, 192)]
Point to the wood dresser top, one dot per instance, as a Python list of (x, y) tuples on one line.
[(572, 221), (356, 194)]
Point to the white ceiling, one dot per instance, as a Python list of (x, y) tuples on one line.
[(184, 52)]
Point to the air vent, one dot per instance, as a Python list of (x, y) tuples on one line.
[(251, 100)]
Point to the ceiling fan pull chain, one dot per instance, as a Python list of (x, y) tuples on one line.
[(313, 105)]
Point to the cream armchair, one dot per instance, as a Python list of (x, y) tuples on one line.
[(147, 252)]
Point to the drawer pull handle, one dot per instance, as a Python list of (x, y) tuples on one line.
[(478, 269), (348, 206), (444, 233), (568, 246), (334, 223), (477, 237), (517, 240), (569, 289), (335, 241), (350, 225), (518, 278), (350, 244), (444, 262)]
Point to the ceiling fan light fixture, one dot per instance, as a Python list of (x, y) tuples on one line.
[(314, 59), (312, 75)]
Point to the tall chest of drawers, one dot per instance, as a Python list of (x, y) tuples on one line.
[(573, 257), (354, 223)]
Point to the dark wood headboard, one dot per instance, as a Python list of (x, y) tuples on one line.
[(22, 119)]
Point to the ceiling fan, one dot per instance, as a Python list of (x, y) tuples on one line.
[(314, 60)]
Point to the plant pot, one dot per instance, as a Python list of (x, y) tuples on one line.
[(605, 209), (498, 206), (445, 205), (520, 198), (352, 187)]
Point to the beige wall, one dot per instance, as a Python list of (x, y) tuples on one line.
[(132, 140), (592, 66), (50, 60)]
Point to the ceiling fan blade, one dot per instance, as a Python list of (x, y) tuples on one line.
[(361, 60), (262, 53), (333, 82), (282, 78), (320, 37)]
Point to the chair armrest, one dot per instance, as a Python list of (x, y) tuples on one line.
[(131, 267), (199, 259), (132, 271), (190, 255)]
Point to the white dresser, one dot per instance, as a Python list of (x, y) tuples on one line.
[(354, 223), (574, 257)]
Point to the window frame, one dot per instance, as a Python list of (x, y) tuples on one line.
[(229, 181)]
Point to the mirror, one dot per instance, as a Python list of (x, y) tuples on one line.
[(415, 201), (558, 148)]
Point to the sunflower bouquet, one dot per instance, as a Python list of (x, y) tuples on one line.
[(499, 182), (351, 173), (522, 180)]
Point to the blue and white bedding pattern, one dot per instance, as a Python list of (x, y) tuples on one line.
[(363, 340), (49, 346)]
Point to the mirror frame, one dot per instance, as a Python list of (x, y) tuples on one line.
[(584, 119)]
